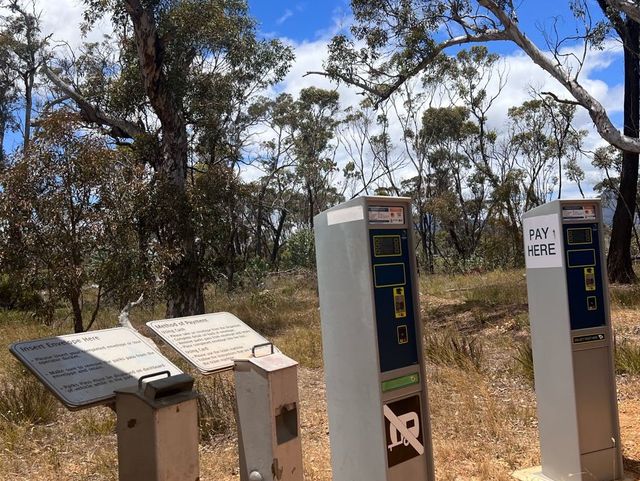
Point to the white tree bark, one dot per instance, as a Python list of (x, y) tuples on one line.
[(629, 7), (597, 112)]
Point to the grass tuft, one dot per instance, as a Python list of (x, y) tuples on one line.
[(25, 400), (625, 296), (627, 358), (97, 422), (523, 358), (449, 347), (302, 344), (216, 406)]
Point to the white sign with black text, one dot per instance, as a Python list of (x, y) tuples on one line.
[(87, 368), (543, 241), (211, 342)]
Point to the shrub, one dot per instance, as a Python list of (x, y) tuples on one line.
[(25, 400), (254, 273), (300, 250), (13, 295), (451, 348)]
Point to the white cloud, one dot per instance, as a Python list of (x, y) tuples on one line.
[(63, 18), (288, 13)]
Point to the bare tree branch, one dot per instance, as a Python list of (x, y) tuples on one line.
[(119, 128), (559, 100), (384, 91), (123, 317)]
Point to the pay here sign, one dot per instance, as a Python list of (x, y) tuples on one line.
[(542, 241)]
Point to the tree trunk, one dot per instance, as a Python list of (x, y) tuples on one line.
[(3, 127), (619, 261), (185, 288), (77, 312), (28, 107), (184, 282), (276, 238)]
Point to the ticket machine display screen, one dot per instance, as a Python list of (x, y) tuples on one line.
[(386, 246), (579, 236)]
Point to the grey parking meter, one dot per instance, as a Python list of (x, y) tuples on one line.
[(157, 430), (268, 418), (572, 342), (372, 342)]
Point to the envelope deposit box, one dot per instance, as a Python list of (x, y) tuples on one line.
[(158, 430), (268, 419)]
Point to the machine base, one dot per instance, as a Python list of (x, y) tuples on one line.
[(531, 474), (535, 474)]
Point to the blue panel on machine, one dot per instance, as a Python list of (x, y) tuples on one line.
[(584, 276), (393, 294)]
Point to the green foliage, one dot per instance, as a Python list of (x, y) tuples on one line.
[(13, 295), (300, 250), (71, 204)]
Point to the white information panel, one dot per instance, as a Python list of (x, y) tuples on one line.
[(542, 241), (211, 342), (87, 368)]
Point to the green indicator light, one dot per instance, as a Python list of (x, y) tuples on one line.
[(400, 382)]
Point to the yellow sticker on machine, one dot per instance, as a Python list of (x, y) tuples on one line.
[(399, 302), (589, 279)]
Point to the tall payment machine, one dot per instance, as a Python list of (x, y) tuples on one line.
[(372, 340), (572, 342)]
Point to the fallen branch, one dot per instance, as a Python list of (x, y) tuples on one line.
[(123, 319)]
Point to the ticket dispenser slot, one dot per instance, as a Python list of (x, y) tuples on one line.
[(157, 426), (572, 342), (372, 342)]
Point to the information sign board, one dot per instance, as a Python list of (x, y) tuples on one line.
[(86, 369), (210, 342)]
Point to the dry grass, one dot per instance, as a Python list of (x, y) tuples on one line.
[(482, 406)]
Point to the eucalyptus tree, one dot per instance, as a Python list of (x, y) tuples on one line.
[(25, 52), (393, 41), (176, 89), (275, 161), (623, 17), (68, 211), (8, 94), (315, 129)]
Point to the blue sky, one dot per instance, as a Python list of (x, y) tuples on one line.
[(298, 20), (308, 20)]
